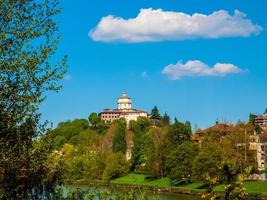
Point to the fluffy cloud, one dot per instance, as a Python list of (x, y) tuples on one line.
[(158, 25), (198, 68)]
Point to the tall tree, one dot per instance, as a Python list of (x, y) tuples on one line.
[(139, 129), (94, 120), (119, 143), (28, 39), (180, 162), (97, 123), (166, 119), (206, 163), (155, 152), (178, 133), (188, 124), (155, 113), (252, 118)]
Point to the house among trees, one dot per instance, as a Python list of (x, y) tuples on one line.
[(258, 144), (123, 110), (261, 120)]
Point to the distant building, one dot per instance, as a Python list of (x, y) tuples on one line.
[(259, 146), (124, 110), (261, 121)]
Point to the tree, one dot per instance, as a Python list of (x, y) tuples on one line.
[(155, 114), (180, 162), (234, 138), (94, 120), (166, 119), (119, 140), (206, 163), (28, 39), (96, 123), (139, 129), (188, 124), (178, 133), (155, 152), (232, 180), (116, 166), (252, 118), (68, 132)]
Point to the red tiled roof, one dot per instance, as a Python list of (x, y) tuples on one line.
[(195, 138)]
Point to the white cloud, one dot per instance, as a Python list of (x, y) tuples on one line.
[(158, 25), (198, 68), (67, 77)]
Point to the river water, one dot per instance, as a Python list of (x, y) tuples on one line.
[(108, 192), (172, 196)]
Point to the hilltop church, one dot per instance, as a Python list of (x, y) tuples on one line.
[(124, 110)]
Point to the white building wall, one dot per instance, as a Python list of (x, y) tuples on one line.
[(133, 116)]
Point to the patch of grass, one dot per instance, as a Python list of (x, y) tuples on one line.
[(252, 187), (192, 187), (256, 187), (140, 179)]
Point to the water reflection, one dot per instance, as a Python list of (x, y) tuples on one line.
[(102, 193)]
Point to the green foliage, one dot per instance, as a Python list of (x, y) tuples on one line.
[(28, 40), (94, 166), (155, 152), (252, 118), (116, 166), (179, 133), (94, 119), (139, 129), (119, 140), (233, 183), (59, 141), (84, 169), (180, 162), (165, 119), (68, 132), (96, 123), (257, 128), (155, 114), (188, 124), (206, 163), (87, 141)]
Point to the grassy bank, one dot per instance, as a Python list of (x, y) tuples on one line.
[(252, 187)]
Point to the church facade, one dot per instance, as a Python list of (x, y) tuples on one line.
[(124, 110)]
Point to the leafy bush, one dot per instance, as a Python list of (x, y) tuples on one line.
[(116, 166)]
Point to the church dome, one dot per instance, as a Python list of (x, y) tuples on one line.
[(124, 96), (124, 102)]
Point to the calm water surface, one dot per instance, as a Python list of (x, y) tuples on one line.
[(151, 195)]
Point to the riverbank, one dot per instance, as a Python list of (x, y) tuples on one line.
[(255, 189)]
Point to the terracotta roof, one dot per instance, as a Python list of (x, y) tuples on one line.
[(195, 138)]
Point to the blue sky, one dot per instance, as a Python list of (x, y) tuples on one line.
[(99, 71)]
